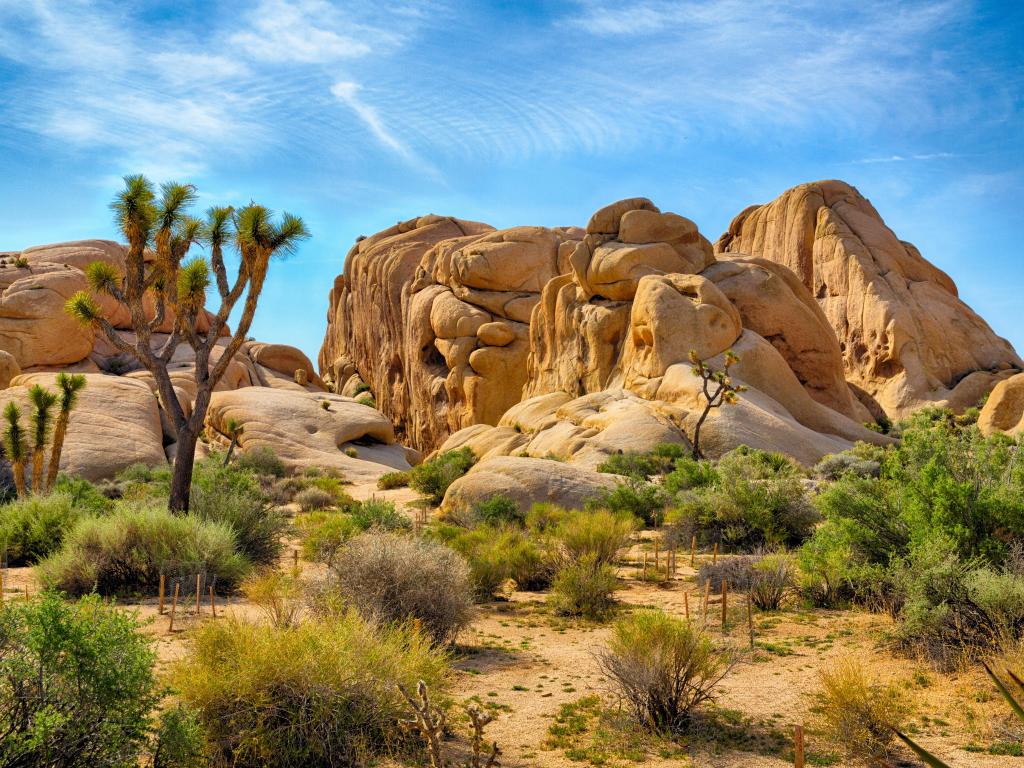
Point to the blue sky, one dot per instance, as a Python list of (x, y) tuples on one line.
[(358, 114)]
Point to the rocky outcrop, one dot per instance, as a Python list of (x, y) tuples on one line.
[(527, 481), (119, 422), (906, 338), (1004, 409), (602, 365)]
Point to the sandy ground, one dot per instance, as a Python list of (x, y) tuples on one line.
[(523, 664)]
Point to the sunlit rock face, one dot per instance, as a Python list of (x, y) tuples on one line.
[(906, 338), (574, 342)]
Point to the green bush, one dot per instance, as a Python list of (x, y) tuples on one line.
[(374, 513), (644, 501), (663, 667), (432, 478), (257, 525), (390, 578), (76, 684), (498, 509), (390, 480), (261, 461), (179, 740), (689, 473), (859, 716), (835, 465), (34, 526), (125, 551), (313, 498), (84, 495), (600, 534), (585, 588), (496, 555), (321, 693), (773, 579), (324, 534), (642, 465)]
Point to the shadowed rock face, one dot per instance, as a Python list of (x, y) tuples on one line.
[(906, 339), (574, 342)]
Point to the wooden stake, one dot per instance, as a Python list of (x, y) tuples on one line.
[(213, 604), (174, 606), (656, 566), (26, 593), (1, 587), (160, 599), (725, 605), (295, 558), (707, 598), (714, 557), (645, 566), (798, 746), (686, 605), (750, 619), (199, 593), (693, 551)]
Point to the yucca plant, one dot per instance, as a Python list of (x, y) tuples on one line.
[(1015, 705), (15, 445), (69, 385), (42, 401), (233, 429), (176, 287)]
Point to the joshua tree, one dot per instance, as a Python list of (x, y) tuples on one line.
[(15, 445), (42, 401), (234, 431), (69, 385), (178, 289), (724, 392)]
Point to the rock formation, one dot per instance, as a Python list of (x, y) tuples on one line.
[(906, 338), (1004, 409), (118, 420)]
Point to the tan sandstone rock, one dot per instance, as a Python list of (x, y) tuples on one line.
[(1004, 409)]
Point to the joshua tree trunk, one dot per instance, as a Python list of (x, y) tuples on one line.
[(18, 468), (60, 430), (38, 457), (231, 449)]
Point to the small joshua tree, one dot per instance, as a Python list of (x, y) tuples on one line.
[(15, 445), (234, 431), (176, 290), (718, 390), (42, 401), (69, 385)]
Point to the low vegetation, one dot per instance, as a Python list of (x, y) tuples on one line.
[(432, 478)]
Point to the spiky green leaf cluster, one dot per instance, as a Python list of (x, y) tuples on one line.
[(83, 308), (102, 276), (134, 208), (14, 434), (193, 280), (42, 401), (69, 385)]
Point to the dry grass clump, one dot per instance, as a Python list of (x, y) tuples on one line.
[(391, 579), (310, 499), (663, 667), (585, 589), (860, 716), (279, 595), (319, 693)]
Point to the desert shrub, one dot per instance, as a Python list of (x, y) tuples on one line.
[(313, 498), (601, 534), (498, 509), (320, 693), (390, 480), (278, 595), (391, 578), (124, 552), (257, 525), (835, 465), (773, 578), (663, 667), (76, 684), (179, 741), (34, 526), (84, 495), (737, 570), (374, 513), (543, 517), (432, 478), (690, 473), (858, 715), (261, 461), (955, 609), (584, 588), (496, 555), (324, 534), (641, 465), (644, 501)]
